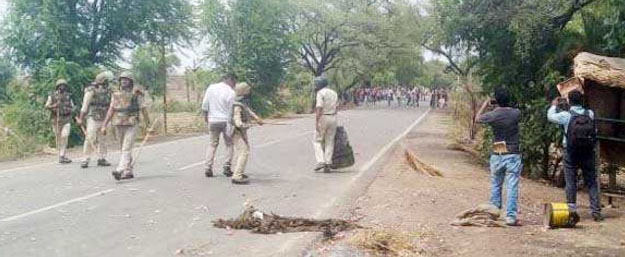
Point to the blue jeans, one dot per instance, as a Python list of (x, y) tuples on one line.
[(506, 167)]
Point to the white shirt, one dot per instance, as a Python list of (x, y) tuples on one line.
[(328, 101), (218, 102)]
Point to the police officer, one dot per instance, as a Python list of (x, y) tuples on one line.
[(242, 118), (61, 106), (326, 109), (94, 106), (124, 112)]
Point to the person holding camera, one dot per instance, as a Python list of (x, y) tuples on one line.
[(579, 150), (505, 160)]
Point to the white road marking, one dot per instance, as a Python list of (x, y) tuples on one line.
[(270, 143), (286, 246), (27, 167), (191, 166), (148, 147), (23, 215), (112, 152)]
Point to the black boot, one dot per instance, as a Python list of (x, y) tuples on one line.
[(227, 171), (242, 181), (208, 172), (103, 163), (64, 160), (84, 164), (117, 175), (598, 217), (128, 175)]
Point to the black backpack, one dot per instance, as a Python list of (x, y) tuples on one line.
[(581, 134)]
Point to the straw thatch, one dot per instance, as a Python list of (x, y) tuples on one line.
[(607, 71)]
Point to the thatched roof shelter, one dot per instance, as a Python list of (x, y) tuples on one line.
[(607, 71), (602, 80)]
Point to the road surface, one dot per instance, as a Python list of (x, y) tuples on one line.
[(51, 210)]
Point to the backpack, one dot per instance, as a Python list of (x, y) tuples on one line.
[(581, 134)]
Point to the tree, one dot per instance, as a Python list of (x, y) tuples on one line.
[(252, 38), (171, 24), (527, 46), (147, 64), (81, 31)]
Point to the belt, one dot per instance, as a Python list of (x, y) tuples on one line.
[(329, 114), (506, 153)]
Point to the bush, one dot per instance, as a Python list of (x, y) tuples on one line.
[(299, 104), (26, 127), (176, 106), (26, 123)]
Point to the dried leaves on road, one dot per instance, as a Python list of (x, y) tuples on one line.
[(258, 222), (387, 243), (483, 215)]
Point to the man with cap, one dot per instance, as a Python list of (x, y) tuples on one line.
[(326, 109), (61, 107), (94, 106), (242, 117), (124, 110), (217, 106)]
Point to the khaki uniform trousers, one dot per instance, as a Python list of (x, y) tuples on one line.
[(61, 133), (94, 140), (324, 139), (242, 149), (215, 131), (126, 135)]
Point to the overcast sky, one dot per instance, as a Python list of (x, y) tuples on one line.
[(3, 7)]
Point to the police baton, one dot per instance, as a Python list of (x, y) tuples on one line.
[(145, 140)]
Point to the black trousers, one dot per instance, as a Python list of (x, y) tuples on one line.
[(586, 162)]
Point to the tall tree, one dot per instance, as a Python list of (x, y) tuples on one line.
[(252, 38)]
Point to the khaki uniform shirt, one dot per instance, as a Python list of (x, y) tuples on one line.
[(328, 101), (61, 120)]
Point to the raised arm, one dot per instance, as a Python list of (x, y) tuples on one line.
[(560, 118)]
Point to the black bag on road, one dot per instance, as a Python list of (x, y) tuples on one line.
[(343, 156)]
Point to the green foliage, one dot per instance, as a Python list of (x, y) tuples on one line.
[(197, 80), (527, 46), (298, 90), (251, 38), (150, 64), (434, 76), (87, 32), (25, 123), (7, 73)]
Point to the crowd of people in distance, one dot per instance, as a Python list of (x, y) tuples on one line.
[(396, 96)]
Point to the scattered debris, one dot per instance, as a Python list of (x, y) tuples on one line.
[(263, 223), (387, 243), (464, 148), (420, 166), (484, 215)]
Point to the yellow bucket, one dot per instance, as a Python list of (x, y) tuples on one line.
[(558, 215)]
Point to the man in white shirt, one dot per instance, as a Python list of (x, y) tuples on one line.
[(325, 109), (217, 107)]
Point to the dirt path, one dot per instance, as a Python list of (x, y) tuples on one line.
[(402, 199)]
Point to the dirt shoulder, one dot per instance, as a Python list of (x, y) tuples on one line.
[(405, 201)]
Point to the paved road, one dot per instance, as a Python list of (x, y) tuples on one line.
[(52, 210)]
